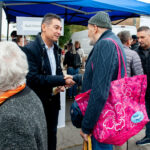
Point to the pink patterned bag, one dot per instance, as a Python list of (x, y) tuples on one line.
[(124, 113)]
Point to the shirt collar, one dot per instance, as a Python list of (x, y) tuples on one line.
[(52, 47)]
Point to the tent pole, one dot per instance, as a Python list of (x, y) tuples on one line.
[(77, 10), (120, 21), (1, 6), (7, 30)]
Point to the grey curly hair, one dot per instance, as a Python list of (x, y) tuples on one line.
[(13, 66)]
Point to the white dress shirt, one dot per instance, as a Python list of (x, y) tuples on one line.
[(51, 57)]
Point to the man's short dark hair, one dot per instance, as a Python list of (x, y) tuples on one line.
[(143, 28), (70, 43), (124, 36), (13, 34), (134, 37), (49, 17)]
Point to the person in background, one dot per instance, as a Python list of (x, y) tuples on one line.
[(134, 43), (79, 50), (22, 118), (143, 34), (63, 55), (21, 41), (101, 68), (45, 75), (13, 36), (64, 50), (134, 66), (72, 69)]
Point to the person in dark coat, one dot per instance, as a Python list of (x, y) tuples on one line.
[(134, 65), (70, 61), (45, 75), (134, 43), (13, 36), (143, 34), (101, 68), (22, 119)]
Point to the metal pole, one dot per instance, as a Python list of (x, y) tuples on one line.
[(7, 30), (1, 6)]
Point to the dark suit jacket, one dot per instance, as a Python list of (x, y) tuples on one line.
[(40, 77)]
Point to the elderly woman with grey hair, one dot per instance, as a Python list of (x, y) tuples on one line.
[(22, 119)]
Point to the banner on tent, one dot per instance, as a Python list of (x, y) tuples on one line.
[(31, 25)]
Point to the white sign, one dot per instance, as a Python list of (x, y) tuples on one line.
[(31, 25), (61, 117)]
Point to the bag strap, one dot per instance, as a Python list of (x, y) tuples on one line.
[(119, 52), (87, 145)]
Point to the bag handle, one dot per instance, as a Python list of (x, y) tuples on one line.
[(87, 145), (119, 60), (119, 52)]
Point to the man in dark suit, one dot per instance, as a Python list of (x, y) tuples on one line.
[(45, 73), (143, 34)]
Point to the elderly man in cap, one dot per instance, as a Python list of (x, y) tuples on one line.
[(101, 68)]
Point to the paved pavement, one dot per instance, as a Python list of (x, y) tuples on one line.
[(69, 138)]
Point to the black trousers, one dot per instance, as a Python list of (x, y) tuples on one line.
[(51, 112)]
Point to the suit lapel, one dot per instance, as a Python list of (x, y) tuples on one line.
[(47, 65), (57, 58)]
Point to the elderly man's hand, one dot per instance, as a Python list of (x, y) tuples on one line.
[(84, 136)]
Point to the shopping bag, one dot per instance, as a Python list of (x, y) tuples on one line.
[(124, 113), (76, 115), (75, 112), (87, 145)]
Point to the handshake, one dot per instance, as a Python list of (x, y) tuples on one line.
[(68, 83)]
